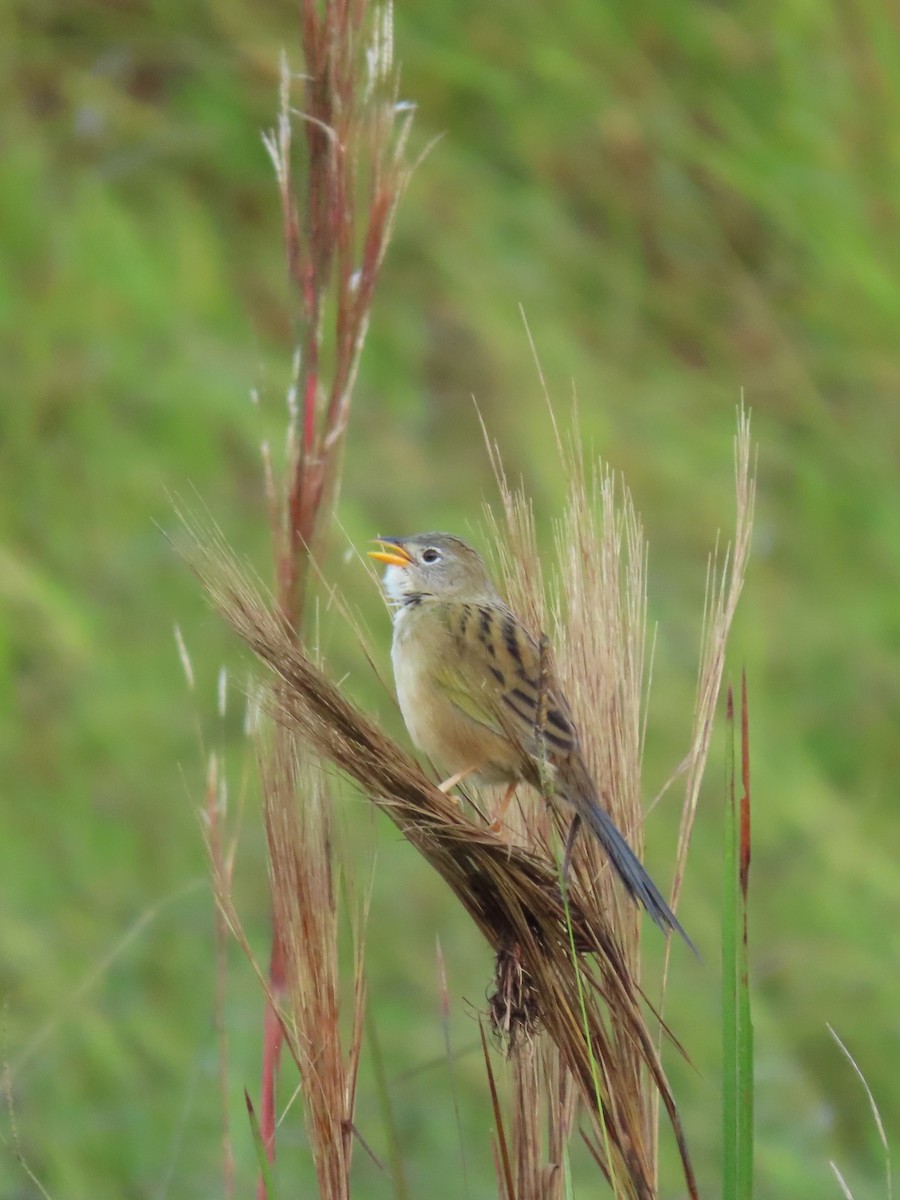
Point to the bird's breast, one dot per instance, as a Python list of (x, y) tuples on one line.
[(453, 740)]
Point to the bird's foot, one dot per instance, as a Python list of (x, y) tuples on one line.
[(497, 822), (449, 784)]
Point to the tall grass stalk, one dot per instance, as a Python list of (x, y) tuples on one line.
[(339, 184), (724, 584), (223, 865)]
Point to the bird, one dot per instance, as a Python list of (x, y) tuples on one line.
[(479, 697)]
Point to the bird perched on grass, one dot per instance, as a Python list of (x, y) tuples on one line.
[(478, 696)]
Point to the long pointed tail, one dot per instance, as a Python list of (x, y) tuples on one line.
[(628, 866)]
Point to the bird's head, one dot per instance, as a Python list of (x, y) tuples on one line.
[(433, 566)]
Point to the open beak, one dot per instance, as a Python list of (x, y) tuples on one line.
[(392, 553)]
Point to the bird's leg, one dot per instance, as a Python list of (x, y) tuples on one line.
[(448, 784), (504, 805), (570, 846)]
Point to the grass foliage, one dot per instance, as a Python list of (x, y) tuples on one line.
[(559, 949), (687, 201)]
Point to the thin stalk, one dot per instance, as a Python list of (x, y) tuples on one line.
[(737, 1027)]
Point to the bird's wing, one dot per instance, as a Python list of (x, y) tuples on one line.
[(500, 677)]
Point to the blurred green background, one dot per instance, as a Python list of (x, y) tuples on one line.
[(689, 201)]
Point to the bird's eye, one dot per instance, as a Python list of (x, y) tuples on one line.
[(430, 555)]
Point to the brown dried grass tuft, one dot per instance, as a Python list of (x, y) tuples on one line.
[(598, 623), (303, 888), (306, 1000)]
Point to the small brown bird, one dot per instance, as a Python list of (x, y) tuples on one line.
[(477, 698)]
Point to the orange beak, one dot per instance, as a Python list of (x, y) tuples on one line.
[(393, 553)]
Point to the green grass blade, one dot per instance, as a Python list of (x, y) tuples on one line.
[(395, 1153), (745, 1022), (265, 1166), (729, 981), (737, 1027)]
